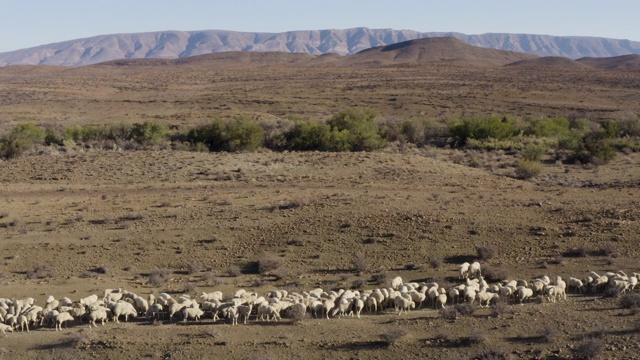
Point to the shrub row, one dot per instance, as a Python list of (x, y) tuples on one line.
[(349, 130)]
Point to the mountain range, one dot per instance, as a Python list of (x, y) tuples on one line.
[(181, 44)]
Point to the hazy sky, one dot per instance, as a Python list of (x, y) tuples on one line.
[(27, 23)]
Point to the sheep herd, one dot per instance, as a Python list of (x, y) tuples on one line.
[(118, 304)]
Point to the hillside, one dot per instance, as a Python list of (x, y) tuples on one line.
[(549, 61), (617, 62), (180, 44), (444, 49)]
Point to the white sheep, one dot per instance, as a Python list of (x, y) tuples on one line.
[(156, 311), (396, 282), (523, 294), (191, 313), (4, 328), (123, 308), (474, 270), (327, 306), (62, 318), (575, 283), (98, 314), (89, 300), (216, 295), (402, 304), (441, 300), (22, 322), (244, 311), (463, 269)]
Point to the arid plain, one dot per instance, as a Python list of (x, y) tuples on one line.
[(96, 219)]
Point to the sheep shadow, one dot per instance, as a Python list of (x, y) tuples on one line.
[(459, 259), (527, 339), (359, 345)]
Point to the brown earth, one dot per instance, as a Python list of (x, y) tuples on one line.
[(84, 212)]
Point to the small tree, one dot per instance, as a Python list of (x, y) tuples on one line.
[(149, 132)]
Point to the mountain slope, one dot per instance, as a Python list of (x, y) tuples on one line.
[(179, 44), (444, 49), (629, 62)]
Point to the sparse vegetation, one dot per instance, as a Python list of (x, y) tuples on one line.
[(393, 335), (40, 271), (159, 277), (486, 252), (234, 271), (590, 348), (360, 263), (268, 263)]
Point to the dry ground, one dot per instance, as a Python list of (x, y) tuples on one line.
[(127, 213), (133, 211)]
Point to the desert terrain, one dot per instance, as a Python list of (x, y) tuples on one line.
[(77, 221)]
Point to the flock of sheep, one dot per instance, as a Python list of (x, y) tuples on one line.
[(117, 304)]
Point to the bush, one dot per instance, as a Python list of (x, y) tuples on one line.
[(465, 309), (482, 129), (268, 263), (159, 277), (234, 135), (22, 138), (477, 336), (549, 333), (193, 268), (360, 263), (527, 169), (630, 301), (40, 271), (533, 152), (381, 277), (494, 273), (590, 348), (486, 252), (234, 271), (500, 308), (361, 133), (393, 335), (449, 313), (149, 132), (436, 263), (549, 127)]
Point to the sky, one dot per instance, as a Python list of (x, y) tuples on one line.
[(28, 23)]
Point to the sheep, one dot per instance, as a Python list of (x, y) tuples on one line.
[(523, 293), (61, 318), (463, 269), (51, 303), (486, 298), (154, 311), (4, 328), (574, 283), (99, 314), (327, 306), (123, 308), (216, 295), (402, 304), (245, 310), (49, 317), (141, 304), (22, 322), (441, 300), (454, 294), (89, 300), (356, 307), (113, 296), (268, 311), (474, 270), (371, 303), (396, 282), (191, 313), (341, 308)]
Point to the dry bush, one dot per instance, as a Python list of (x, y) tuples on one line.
[(486, 252), (436, 263), (193, 268), (132, 217), (88, 274), (4, 215), (393, 335), (159, 277), (268, 263), (609, 249), (494, 274), (527, 169), (212, 278), (629, 301), (381, 277), (281, 273), (495, 355), (449, 313), (580, 251), (234, 271), (358, 284), (465, 309), (190, 288), (477, 336), (298, 314), (344, 276), (549, 333), (590, 348), (360, 263), (40, 271), (500, 308)]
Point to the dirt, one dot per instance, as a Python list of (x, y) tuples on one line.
[(102, 219)]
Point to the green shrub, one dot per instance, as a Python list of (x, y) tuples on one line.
[(527, 169), (533, 152), (480, 129), (356, 130), (22, 138), (235, 135), (309, 136), (149, 132), (549, 127)]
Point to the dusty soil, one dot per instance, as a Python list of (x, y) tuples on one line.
[(125, 213)]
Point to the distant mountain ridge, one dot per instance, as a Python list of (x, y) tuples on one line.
[(179, 44)]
